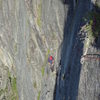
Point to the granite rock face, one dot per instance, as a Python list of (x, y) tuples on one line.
[(31, 31)]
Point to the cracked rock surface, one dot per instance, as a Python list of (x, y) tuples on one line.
[(31, 31)]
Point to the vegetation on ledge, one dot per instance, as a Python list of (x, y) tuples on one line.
[(38, 97), (93, 26), (39, 9), (45, 62)]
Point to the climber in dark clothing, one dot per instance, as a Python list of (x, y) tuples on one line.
[(51, 62)]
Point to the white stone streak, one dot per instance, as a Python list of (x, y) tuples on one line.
[(6, 58)]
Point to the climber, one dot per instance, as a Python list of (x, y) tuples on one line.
[(51, 62)]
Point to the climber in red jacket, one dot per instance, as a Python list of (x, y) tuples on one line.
[(51, 62)]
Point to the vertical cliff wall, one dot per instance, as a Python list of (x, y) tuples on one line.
[(30, 31), (78, 77)]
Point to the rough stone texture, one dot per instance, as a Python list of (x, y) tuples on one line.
[(3, 77), (30, 31)]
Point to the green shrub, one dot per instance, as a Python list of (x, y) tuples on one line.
[(93, 25), (42, 70), (14, 87), (45, 62), (38, 97), (1, 91), (14, 95), (39, 9)]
